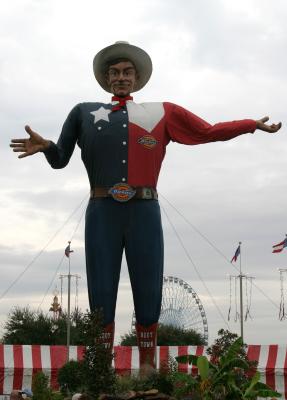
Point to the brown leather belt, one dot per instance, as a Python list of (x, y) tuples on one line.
[(123, 192)]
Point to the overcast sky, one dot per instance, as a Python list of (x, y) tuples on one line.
[(222, 60)]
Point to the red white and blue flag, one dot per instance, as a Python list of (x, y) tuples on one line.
[(277, 248), (236, 254), (68, 251)]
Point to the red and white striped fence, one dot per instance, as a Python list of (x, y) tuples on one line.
[(18, 363)]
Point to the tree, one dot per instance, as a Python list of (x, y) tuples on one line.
[(168, 335), (222, 345), (94, 375), (99, 375), (26, 326)]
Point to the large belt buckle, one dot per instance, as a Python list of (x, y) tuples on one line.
[(122, 192), (147, 194)]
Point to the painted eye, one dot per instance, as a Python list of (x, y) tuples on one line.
[(112, 74)]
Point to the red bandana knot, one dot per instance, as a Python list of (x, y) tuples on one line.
[(121, 102)]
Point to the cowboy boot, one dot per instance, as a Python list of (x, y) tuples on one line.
[(107, 336), (146, 338)]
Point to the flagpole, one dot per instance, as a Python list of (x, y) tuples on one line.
[(241, 294), (69, 309)]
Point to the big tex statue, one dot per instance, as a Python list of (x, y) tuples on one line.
[(122, 146)]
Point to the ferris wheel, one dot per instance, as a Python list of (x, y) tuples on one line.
[(181, 307)]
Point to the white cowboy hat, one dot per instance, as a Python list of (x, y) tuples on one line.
[(136, 55)]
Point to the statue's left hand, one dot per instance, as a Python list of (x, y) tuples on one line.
[(261, 124)]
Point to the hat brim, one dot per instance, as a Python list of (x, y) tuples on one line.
[(136, 55)]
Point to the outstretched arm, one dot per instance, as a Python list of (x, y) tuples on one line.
[(29, 146), (187, 128), (261, 124), (57, 155)]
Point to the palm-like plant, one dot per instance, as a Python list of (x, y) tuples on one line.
[(227, 379)]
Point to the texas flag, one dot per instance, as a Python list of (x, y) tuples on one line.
[(277, 248), (237, 252), (68, 251)]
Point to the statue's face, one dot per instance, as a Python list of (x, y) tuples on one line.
[(121, 78)]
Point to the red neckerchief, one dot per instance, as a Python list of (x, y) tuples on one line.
[(121, 102)]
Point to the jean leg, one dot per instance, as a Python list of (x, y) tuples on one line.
[(144, 253), (104, 248)]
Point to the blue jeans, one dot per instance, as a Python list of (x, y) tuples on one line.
[(135, 226)]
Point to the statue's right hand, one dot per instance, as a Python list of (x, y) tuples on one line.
[(30, 146)]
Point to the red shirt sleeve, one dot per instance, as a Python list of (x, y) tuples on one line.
[(187, 128)]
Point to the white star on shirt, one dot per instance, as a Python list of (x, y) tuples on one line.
[(101, 113)]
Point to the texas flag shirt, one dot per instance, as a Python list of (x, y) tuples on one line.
[(128, 145)]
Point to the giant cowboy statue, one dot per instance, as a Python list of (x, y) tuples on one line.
[(122, 146)]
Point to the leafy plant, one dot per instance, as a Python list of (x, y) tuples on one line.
[(99, 375), (40, 387), (161, 379), (57, 396), (222, 345), (71, 377), (94, 375), (225, 379)]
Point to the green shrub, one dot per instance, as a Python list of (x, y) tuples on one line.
[(94, 375), (155, 380), (99, 375), (40, 387), (57, 396), (226, 379), (71, 377), (161, 379)]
